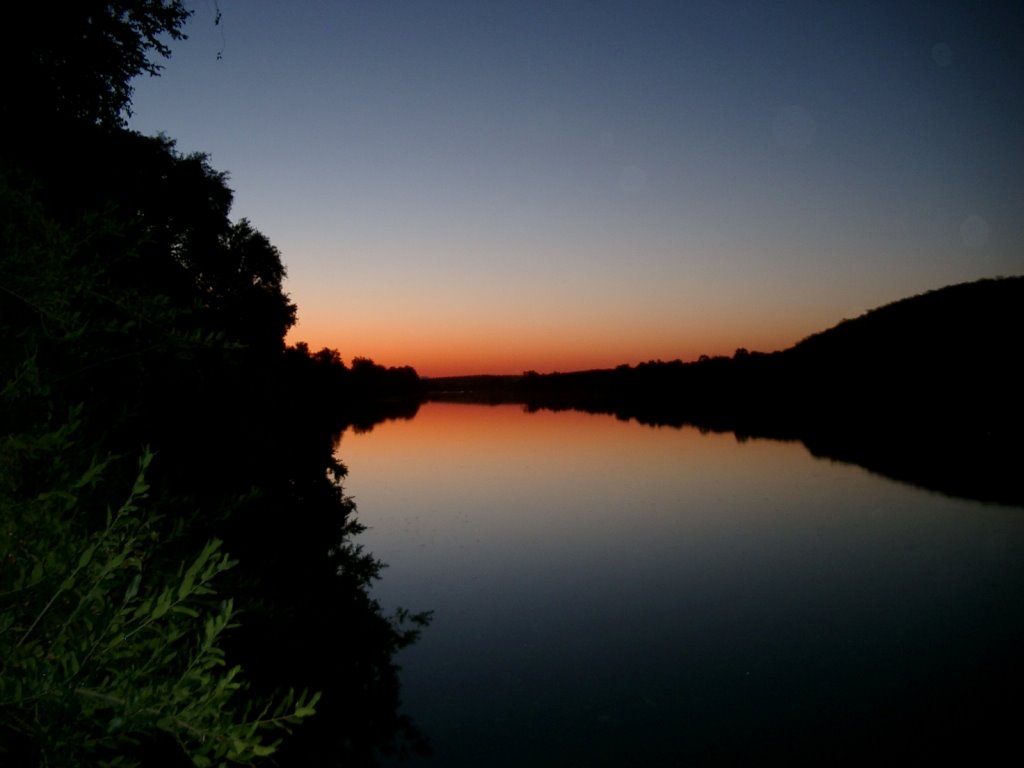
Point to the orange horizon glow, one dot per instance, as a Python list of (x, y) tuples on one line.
[(488, 333), (506, 321), (506, 332), (508, 356)]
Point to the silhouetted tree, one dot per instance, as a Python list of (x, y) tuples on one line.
[(173, 236), (133, 312), (75, 61)]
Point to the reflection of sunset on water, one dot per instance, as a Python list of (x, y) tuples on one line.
[(577, 564), (509, 473), (444, 436)]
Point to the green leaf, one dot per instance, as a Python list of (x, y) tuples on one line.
[(133, 588), (92, 474), (186, 585), (163, 604), (86, 556), (143, 610)]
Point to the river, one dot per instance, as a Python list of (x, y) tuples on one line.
[(609, 593)]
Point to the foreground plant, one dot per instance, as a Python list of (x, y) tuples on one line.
[(104, 649)]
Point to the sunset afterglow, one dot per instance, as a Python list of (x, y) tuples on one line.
[(496, 187)]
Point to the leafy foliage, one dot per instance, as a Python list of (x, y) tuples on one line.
[(134, 313), (109, 632), (77, 60), (101, 644)]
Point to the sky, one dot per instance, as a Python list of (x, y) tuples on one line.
[(493, 187)]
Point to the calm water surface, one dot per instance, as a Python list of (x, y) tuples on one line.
[(607, 593)]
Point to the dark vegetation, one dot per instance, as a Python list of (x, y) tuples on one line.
[(152, 420), (925, 390)]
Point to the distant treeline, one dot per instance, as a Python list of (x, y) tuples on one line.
[(359, 395), (926, 389)]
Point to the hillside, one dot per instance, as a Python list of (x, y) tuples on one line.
[(941, 347), (954, 348), (964, 321), (924, 389)]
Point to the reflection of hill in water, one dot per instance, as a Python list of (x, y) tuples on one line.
[(956, 465), (988, 472), (924, 390)]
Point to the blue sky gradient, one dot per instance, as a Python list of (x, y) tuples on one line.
[(493, 186)]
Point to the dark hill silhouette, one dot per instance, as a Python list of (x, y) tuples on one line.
[(954, 349), (924, 390), (959, 319)]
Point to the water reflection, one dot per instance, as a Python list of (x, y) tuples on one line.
[(607, 593)]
